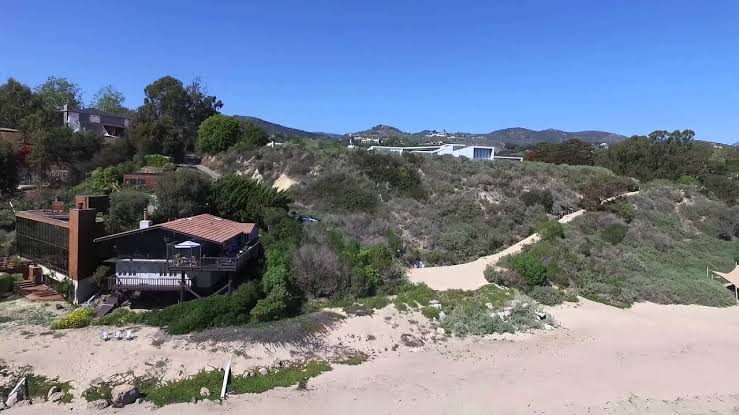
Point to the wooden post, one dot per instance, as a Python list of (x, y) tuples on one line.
[(25, 388), (182, 286), (226, 374)]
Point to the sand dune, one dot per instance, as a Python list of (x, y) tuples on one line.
[(647, 359)]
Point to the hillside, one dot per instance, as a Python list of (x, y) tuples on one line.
[(446, 210)]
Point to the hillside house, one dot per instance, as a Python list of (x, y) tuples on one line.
[(199, 255), (103, 124), (456, 150)]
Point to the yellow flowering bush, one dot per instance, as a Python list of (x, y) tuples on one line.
[(79, 317)]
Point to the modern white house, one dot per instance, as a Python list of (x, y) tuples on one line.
[(456, 150)]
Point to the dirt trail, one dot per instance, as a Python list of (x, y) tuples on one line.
[(470, 276)]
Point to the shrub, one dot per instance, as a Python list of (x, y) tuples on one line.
[(622, 209), (687, 180), (156, 160), (214, 311), (393, 170), (538, 197), (181, 193), (7, 283), (244, 200), (344, 192), (99, 277), (728, 227), (120, 317), (551, 229), (546, 295), (217, 133), (614, 233), (365, 280), (77, 318), (272, 307), (531, 268), (503, 277)]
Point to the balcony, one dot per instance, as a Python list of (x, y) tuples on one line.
[(120, 283), (182, 258)]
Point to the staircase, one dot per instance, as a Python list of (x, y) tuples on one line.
[(38, 292)]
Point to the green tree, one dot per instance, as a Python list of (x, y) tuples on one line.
[(181, 193), (218, 133), (109, 99), (21, 109), (105, 179), (62, 145), (56, 92), (158, 136), (186, 107), (9, 167), (244, 200), (126, 210), (16, 102), (253, 135)]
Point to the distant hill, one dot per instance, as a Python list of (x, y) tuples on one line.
[(516, 136), (524, 136), (282, 131), (511, 136)]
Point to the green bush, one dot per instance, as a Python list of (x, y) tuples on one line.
[(688, 180), (365, 280), (551, 229), (7, 283), (538, 197), (214, 311), (121, 317), (614, 233), (531, 268), (77, 318), (546, 295), (503, 277), (272, 307), (244, 200), (156, 160), (345, 192), (622, 209), (217, 133)]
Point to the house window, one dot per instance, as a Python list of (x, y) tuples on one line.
[(482, 153), (455, 148), (95, 119)]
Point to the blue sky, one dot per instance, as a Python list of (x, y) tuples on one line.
[(335, 65)]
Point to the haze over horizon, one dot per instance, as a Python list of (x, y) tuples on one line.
[(622, 67)]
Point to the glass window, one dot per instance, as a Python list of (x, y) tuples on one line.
[(482, 153), (44, 243)]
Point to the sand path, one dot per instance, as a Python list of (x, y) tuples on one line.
[(470, 276), (648, 359)]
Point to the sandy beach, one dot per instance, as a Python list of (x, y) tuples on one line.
[(647, 359)]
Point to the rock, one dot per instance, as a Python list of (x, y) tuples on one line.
[(56, 397), (263, 371), (54, 389), (194, 400), (548, 327), (98, 405), (489, 306), (432, 302), (139, 400), (440, 330), (59, 306), (436, 306), (442, 316), (410, 340), (541, 315), (124, 394), (23, 402), (204, 392)]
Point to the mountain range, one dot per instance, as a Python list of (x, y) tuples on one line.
[(511, 136)]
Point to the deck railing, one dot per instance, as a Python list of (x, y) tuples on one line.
[(121, 283), (207, 263)]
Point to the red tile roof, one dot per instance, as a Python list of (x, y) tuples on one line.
[(209, 227)]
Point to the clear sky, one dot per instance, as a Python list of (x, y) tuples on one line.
[(340, 65)]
